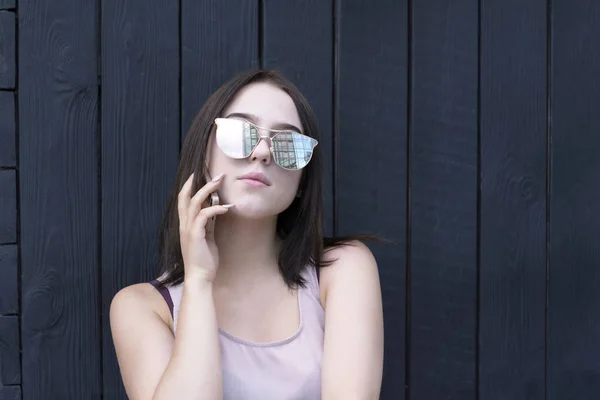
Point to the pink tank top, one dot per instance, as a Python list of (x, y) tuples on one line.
[(283, 370)]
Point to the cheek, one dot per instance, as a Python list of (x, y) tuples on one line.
[(217, 162), (285, 196), (291, 179), (289, 187)]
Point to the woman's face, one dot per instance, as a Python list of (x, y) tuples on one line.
[(269, 107)]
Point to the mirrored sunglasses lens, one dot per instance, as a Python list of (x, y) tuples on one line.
[(292, 150), (236, 138)]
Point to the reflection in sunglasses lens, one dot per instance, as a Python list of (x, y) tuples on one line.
[(238, 139)]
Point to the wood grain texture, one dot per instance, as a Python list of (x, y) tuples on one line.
[(10, 363), (8, 156), (10, 392), (371, 177), (9, 284), (574, 257), (513, 200), (443, 199), (140, 147), (8, 206), (219, 38), (297, 40), (58, 132), (7, 50), (7, 4)]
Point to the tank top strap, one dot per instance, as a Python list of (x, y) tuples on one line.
[(311, 274), (164, 291)]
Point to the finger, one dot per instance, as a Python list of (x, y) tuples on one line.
[(210, 224), (204, 223), (195, 204), (183, 199)]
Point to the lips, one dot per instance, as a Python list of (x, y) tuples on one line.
[(256, 176)]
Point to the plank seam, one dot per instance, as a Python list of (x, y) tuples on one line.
[(548, 182), (261, 61), (99, 188), (18, 200), (478, 234), (407, 345), (335, 116), (180, 77)]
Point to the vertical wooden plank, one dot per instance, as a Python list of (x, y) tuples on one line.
[(10, 393), (140, 146), (7, 50), (8, 156), (371, 188), (444, 199), (219, 38), (8, 206), (7, 4), (9, 285), (58, 131), (574, 257), (304, 55), (10, 363), (513, 199)]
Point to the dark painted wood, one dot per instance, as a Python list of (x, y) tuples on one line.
[(371, 174), (140, 147), (8, 206), (7, 4), (8, 156), (353, 67), (10, 392), (304, 54), (219, 38), (58, 133), (7, 50), (10, 363), (9, 284), (574, 251), (513, 200), (443, 170)]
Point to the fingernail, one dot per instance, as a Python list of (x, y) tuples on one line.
[(217, 178), (228, 205)]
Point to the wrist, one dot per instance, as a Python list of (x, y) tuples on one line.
[(197, 279)]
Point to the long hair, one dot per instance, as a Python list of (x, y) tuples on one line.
[(300, 226)]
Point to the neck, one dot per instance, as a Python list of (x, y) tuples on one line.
[(248, 249)]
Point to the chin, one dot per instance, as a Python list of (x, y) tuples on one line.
[(251, 213), (257, 209)]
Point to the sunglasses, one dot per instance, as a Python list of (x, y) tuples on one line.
[(238, 138)]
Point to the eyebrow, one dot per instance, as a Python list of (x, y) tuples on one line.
[(277, 126)]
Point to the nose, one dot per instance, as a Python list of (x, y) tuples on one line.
[(262, 152)]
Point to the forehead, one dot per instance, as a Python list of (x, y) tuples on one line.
[(270, 104)]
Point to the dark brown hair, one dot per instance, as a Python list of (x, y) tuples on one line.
[(300, 226)]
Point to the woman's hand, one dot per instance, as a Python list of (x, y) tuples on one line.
[(196, 229)]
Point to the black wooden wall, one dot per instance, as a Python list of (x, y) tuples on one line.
[(466, 131)]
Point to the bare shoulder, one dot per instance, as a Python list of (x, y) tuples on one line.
[(140, 297), (352, 364), (352, 265), (142, 336)]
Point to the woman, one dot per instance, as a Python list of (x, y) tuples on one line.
[(268, 309)]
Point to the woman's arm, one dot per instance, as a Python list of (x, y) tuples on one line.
[(153, 364), (194, 370), (353, 352)]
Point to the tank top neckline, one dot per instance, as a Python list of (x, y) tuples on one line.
[(168, 292), (275, 343)]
